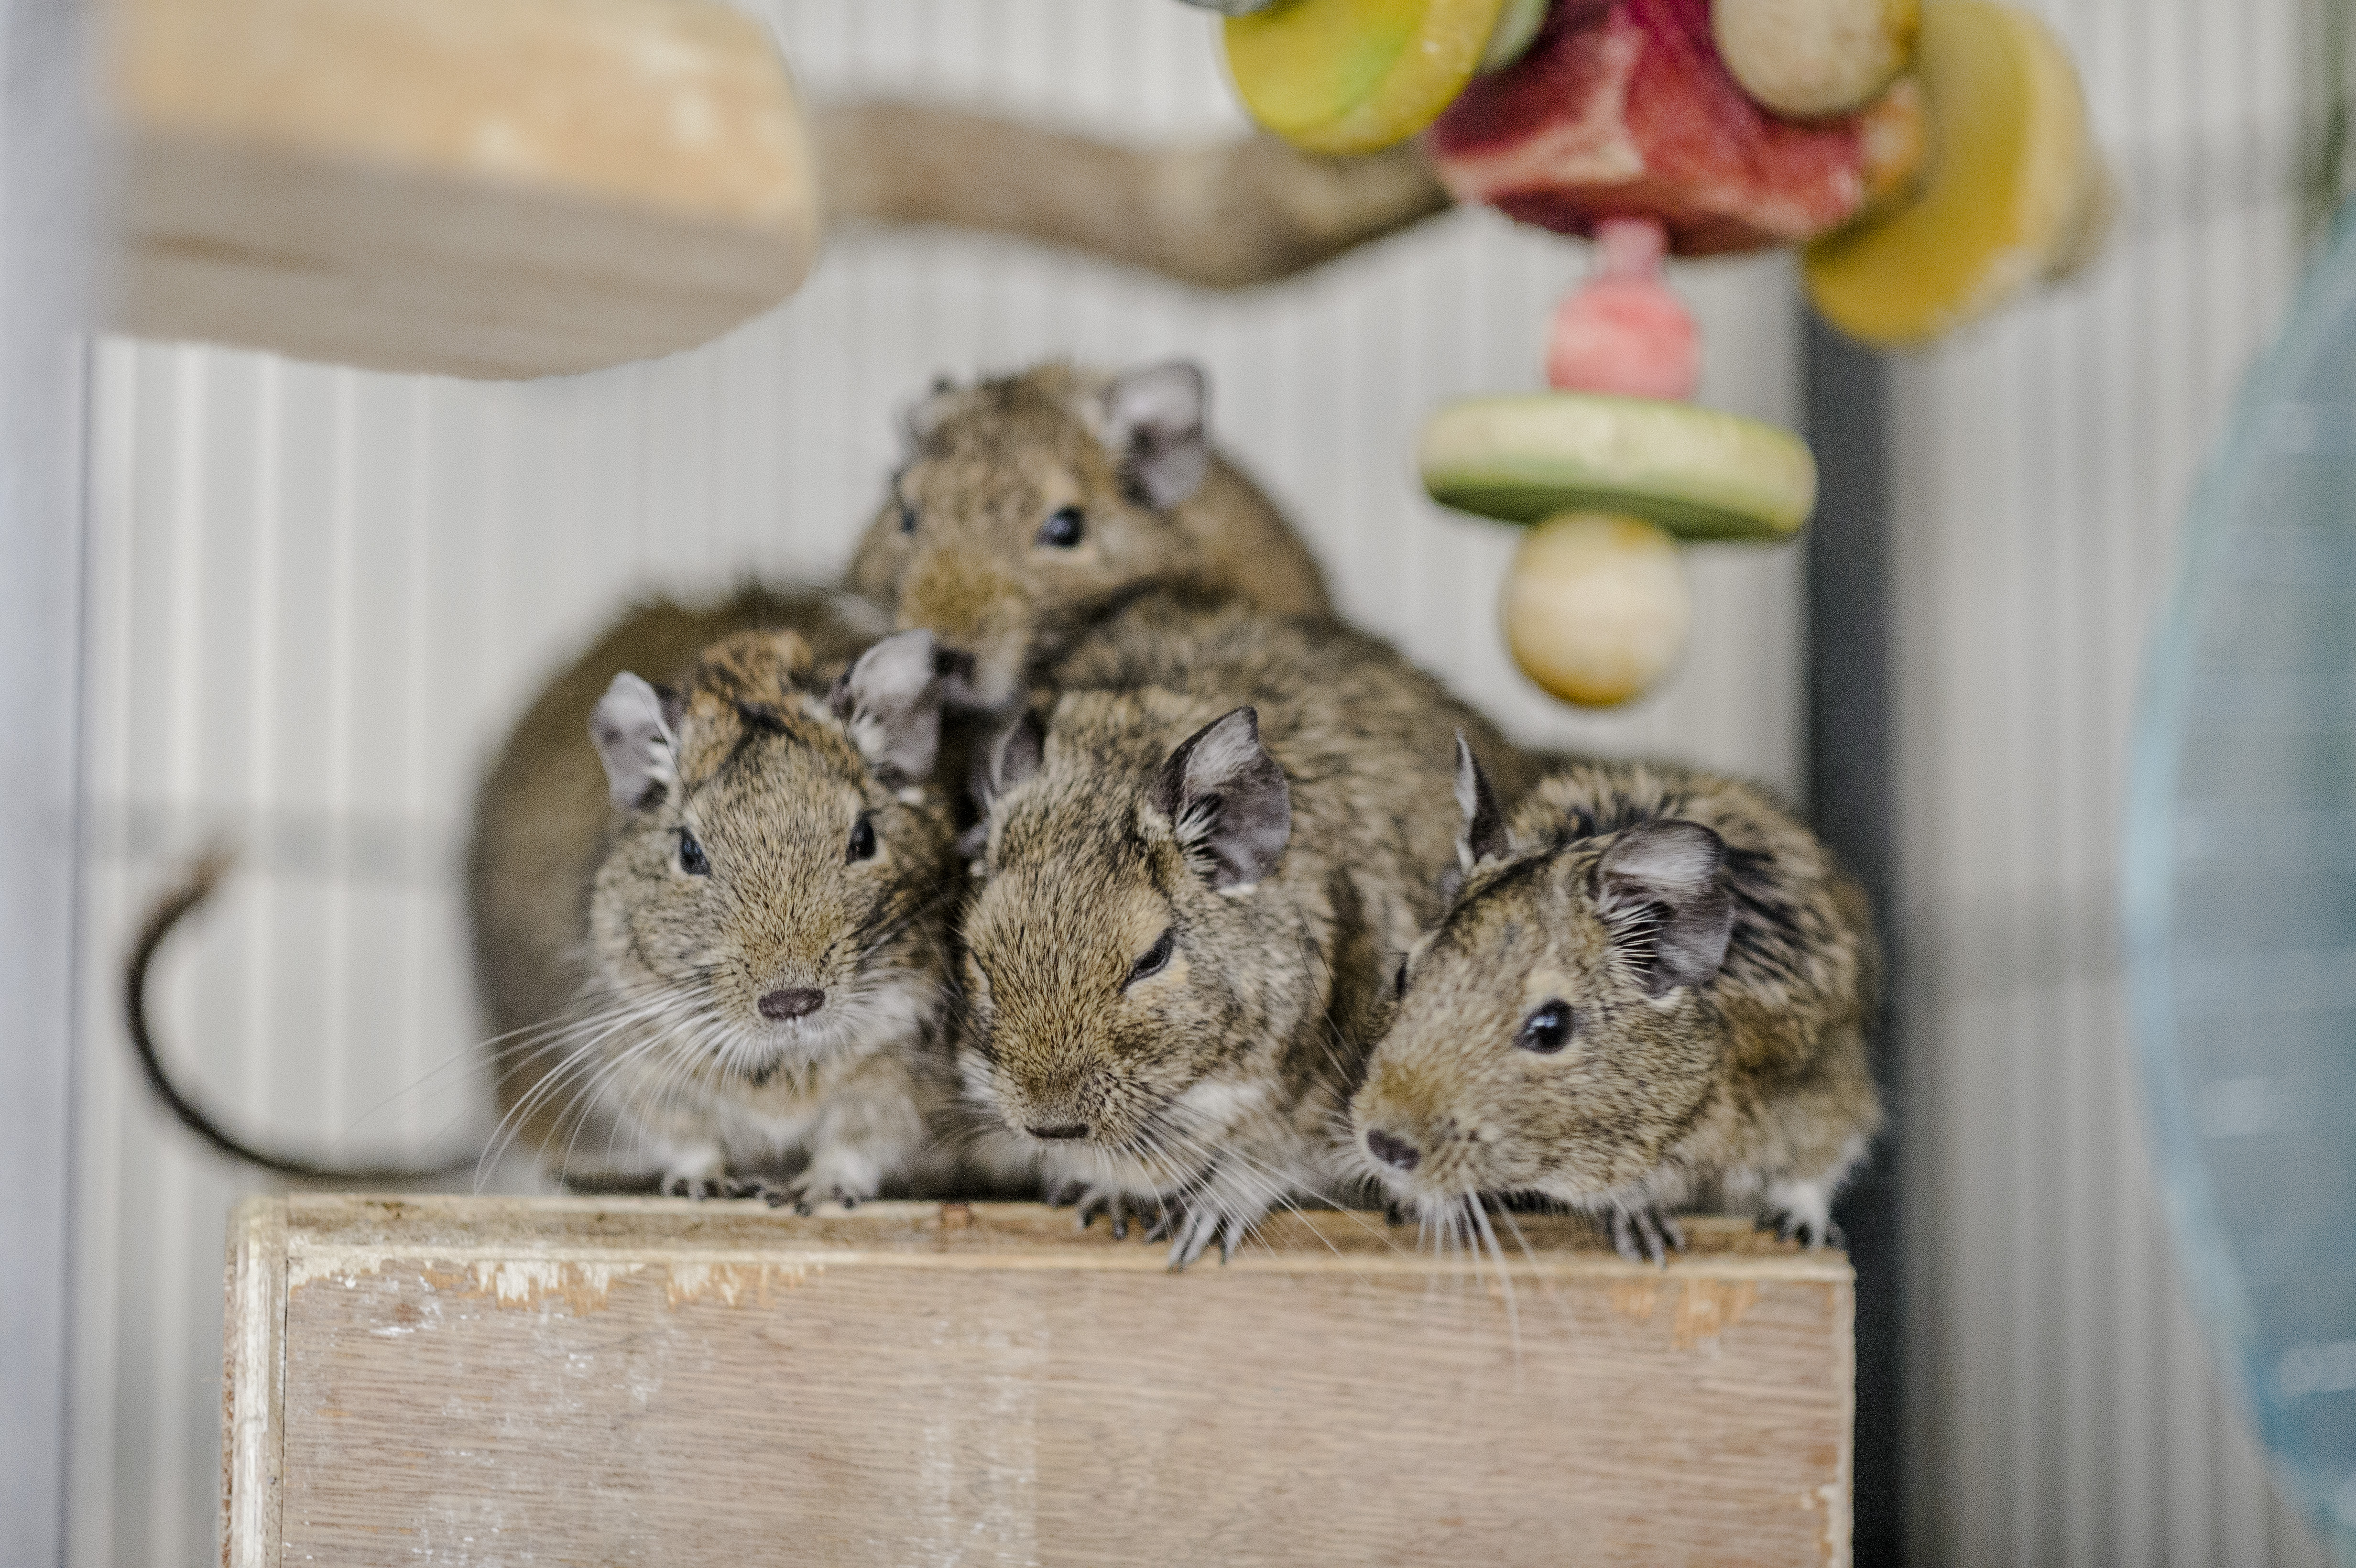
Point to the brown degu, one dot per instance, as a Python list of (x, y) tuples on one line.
[(1197, 866), (711, 913), (1030, 506), (1650, 991)]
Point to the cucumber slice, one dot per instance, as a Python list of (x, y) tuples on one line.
[(1355, 76), (1699, 473)]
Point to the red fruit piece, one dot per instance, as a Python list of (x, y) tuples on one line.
[(1624, 108), (1624, 331)]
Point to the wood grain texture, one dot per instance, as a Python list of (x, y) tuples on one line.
[(478, 187), (491, 1381)]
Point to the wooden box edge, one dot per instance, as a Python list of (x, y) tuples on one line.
[(254, 1358)]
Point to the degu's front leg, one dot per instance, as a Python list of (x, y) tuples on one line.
[(871, 1127)]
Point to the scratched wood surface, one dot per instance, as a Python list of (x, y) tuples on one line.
[(623, 1382)]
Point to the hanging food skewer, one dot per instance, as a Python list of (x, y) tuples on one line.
[(1932, 158)]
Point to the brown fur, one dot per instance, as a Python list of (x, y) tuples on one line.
[(991, 463), (1213, 1089), (1748, 1087), (583, 915)]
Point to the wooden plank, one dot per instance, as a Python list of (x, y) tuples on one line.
[(478, 187), (642, 1380), (252, 1328)]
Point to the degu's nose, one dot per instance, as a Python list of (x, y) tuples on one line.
[(1391, 1151), (791, 1004)]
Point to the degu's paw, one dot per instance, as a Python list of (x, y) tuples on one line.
[(1808, 1230), (1088, 1201), (836, 1176), (1802, 1212), (698, 1181), (1646, 1235), (1192, 1227)]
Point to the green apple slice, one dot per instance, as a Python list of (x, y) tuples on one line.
[(1699, 473)]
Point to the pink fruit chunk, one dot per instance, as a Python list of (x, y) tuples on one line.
[(1624, 108), (1622, 331)]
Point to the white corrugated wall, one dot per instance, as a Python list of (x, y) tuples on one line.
[(316, 594), (2065, 1405)]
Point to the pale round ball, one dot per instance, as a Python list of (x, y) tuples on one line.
[(1596, 608), (1812, 58)]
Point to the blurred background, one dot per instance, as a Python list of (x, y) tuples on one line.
[(311, 598)]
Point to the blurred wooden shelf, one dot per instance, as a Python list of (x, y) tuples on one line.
[(621, 1380), (477, 187)]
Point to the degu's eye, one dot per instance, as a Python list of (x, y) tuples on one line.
[(908, 518), (863, 839), (1548, 1029), (1399, 983), (1156, 958), (1064, 527), (692, 858)]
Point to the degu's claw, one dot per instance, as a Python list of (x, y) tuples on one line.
[(1196, 1231), (1622, 1241), (1114, 1206), (1809, 1230), (1646, 1235)]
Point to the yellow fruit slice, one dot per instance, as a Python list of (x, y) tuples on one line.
[(2003, 194), (1697, 473), (1353, 76), (1596, 609)]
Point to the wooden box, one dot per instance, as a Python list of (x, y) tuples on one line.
[(609, 1382)]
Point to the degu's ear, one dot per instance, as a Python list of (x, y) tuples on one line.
[(891, 702), (1227, 801), (1009, 759), (925, 415), (632, 729), (1483, 838), (1662, 889), (1153, 422)]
